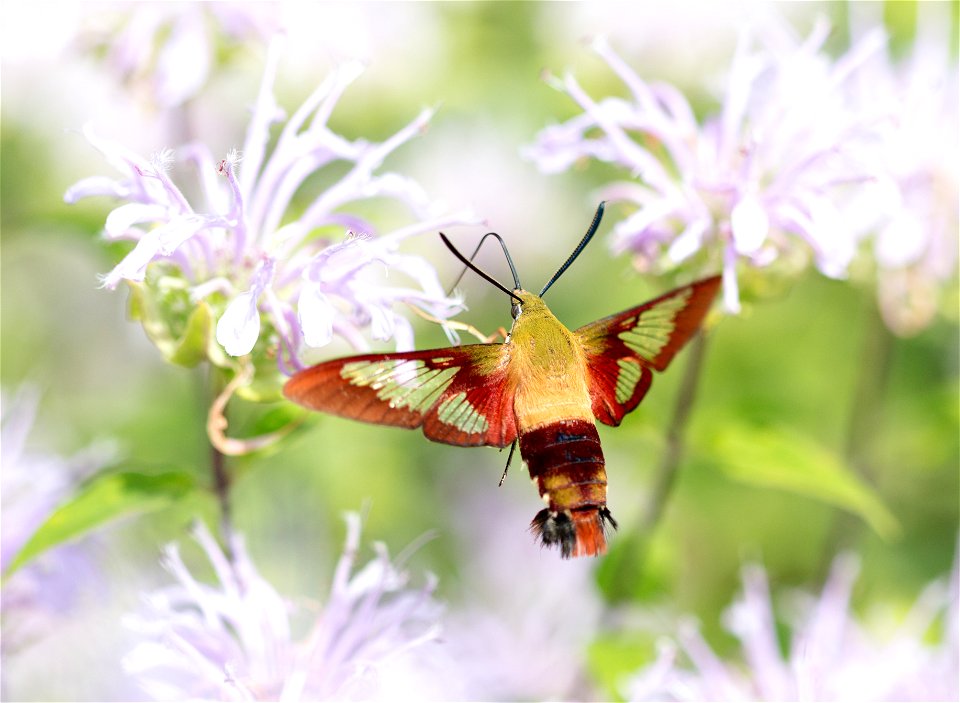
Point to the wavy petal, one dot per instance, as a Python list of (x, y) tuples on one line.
[(315, 313), (121, 219), (95, 185), (239, 326), (182, 228), (750, 224), (133, 266), (184, 60)]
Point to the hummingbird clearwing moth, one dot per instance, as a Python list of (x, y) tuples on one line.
[(544, 386)]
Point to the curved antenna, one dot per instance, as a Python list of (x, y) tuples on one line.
[(576, 252), (469, 264), (513, 270)]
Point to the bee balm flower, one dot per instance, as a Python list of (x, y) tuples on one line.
[(267, 270)]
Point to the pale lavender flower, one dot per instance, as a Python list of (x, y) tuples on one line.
[(520, 638), (235, 639), (33, 484), (167, 50), (830, 656), (250, 256), (757, 183), (913, 208)]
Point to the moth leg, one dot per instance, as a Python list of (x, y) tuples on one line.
[(461, 326), (501, 332), (509, 459)]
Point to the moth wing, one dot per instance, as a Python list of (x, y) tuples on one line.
[(458, 395), (624, 349)]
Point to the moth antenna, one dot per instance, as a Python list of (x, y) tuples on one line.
[(513, 270), (507, 467), (576, 252), (470, 265)]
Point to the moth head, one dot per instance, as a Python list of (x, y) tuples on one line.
[(518, 300)]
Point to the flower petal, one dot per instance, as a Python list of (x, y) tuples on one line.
[(689, 241), (903, 241), (731, 291), (339, 261), (118, 156), (133, 266), (315, 313), (382, 323), (183, 62), (403, 333), (94, 185), (121, 219), (423, 273), (834, 247), (180, 229), (750, 224), (239, 326)]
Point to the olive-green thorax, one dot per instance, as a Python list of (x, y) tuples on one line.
[(548, 366)]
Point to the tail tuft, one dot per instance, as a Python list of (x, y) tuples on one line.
[(578, 533)]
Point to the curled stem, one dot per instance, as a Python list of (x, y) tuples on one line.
[(222, 446), (217, 421)]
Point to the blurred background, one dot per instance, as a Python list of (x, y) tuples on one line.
[(809, 379)]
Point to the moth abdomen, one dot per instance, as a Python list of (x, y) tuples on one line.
[(577, 533), (565, 460)]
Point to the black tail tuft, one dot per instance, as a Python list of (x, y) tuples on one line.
[(578, 533)]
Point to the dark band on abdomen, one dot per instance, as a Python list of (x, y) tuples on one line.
[(566, 461)]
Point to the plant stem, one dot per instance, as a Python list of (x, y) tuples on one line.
[(624, 573), (220, 475), (864, 421), (221, 487), (874, 366), (666, 475)]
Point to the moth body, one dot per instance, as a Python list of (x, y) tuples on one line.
[(557, 432)]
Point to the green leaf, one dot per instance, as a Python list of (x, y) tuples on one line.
[(267, 383), (105, 498), (144, 309), (192, 347), (182, 330), (787, 460), (270, 419)]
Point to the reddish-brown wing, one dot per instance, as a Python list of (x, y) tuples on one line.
[(623, 349), (458, 395)]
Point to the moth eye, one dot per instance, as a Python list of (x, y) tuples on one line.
[(515, 310)]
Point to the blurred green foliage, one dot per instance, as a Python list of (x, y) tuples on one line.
[(106, 497)]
